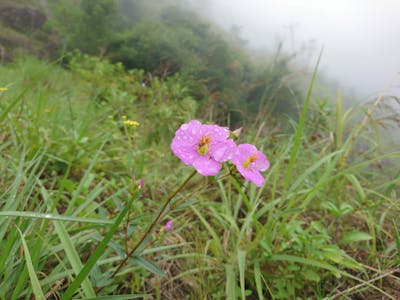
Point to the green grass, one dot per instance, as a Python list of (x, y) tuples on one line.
[(325, 224)]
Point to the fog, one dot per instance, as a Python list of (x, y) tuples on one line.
[(360, 38)]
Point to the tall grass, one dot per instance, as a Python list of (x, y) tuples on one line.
[(325, 224)]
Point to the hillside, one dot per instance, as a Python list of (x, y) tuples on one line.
[(23, 30), (158, 161)]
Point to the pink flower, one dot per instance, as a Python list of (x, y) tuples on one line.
[(168, 226), (204, 147), (140, 183), (249, 162)]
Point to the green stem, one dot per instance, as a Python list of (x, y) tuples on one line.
[(155, 221)]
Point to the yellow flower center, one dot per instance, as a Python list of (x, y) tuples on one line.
[(203, 145), (249, 160)]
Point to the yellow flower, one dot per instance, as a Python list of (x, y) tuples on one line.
[(131, 123), (3, 89)]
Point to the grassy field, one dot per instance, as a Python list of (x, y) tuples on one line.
[(325, 225)]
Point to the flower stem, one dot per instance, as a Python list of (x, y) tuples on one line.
[(155, 221)]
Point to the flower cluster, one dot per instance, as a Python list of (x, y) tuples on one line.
[(206, 147), (128, 122)]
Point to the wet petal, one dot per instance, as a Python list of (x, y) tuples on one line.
[(223, 151), (262, 162), (250, 171), (189, 137), (206, 166)]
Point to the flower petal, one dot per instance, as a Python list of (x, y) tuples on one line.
[(206, 166), (262, 163), (251, 175), (250, 170), (192, 137), (223, 151)]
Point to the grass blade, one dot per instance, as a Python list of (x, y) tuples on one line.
[(397, 235), (322, 265), (257, 279), (54, 217), (12, 104), (356, 184), (98, 252), (148, 265), (230, 288), (69, 249), (210, 230), (355, 236), (300, 128), (37, 290), (241, 256), (73, 256), (339, 121), (120, 297)]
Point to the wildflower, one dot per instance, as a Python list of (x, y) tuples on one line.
[(3, 89), (131, 123), (168, 226), (249, 162), (140, 183), (204, 147)]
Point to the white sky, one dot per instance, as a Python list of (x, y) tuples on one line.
[(361, 38)]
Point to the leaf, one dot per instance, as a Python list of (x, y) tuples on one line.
[(55, 217), (73, 257), (217, 241), (186, 204), (13, 103), (119, 297), (69, 248), (311, 262), (299, 132), (148, 265), (331, 207), (257, 279), (345, 208), (333, 256), (37, 290), (98, 252), (339, 121), (241, 255), (230, 285), (355, 236), (356, 184), (350, 262), (320, 264), (311, 275), (397, 235)]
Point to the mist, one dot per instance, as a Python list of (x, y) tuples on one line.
[(360, 38)]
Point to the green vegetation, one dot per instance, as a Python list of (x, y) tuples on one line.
[(170, 40), (324, 225)]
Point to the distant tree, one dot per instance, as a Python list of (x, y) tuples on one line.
[(166, 38), (87, 25)]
